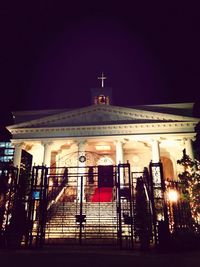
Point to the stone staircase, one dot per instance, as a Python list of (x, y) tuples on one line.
[(100, 221)]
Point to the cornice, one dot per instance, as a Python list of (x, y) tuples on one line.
[(102, 130), (112, 110)]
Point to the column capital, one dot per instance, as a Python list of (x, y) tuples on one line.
[(188, 139), (155, 140), (80, 141), (46, 142), (81, 144), (18, 144), (120, 141)]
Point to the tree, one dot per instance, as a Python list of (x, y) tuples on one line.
[(197, 142), (190, 185)]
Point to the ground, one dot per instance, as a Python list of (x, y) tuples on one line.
[(74, 256)]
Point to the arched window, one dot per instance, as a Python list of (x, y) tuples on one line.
[(168, 170)]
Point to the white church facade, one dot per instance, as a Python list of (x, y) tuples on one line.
[(86, 164), (114, 134)]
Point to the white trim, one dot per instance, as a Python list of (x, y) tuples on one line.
[(132, 114), (105, 130)]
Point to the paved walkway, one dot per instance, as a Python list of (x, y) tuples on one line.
[(88, 256)]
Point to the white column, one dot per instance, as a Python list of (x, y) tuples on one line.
[(155, 151), (81, 146), (189, 148), (119, 152), (17, 154), (81, 152), (47, 153), (120, 158)]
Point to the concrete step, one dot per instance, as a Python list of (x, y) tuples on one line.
[(101, 220)]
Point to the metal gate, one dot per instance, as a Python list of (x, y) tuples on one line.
[(74, 205), (81, 205), (37, 208), (107, 205)]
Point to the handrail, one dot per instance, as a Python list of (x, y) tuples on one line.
[(55, 196)]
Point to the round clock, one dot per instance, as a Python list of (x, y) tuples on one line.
[(82, 158)]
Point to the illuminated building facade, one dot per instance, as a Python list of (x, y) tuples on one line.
[(75, 151), (119, 134)]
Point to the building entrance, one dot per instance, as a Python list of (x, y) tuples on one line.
[(81, 206), (78, 205), (105, 176)]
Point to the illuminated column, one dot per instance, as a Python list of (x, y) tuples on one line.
[(189, 148), (47, 153), (81, 163), (119, 152), (155, 151), (53, 160), (17, 154), (159, 205), (120, 157), (81, 147)]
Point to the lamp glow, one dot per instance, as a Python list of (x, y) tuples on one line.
[(102, 147), (50, 183), (172, 195)]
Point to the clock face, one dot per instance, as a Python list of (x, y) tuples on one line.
[(82, 158)]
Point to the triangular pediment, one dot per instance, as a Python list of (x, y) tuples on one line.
[(101, 114)]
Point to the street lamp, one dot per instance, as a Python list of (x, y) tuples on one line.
[(173, 197)]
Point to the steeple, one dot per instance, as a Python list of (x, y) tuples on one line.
[(101, 95)]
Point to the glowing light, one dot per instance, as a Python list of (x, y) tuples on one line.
[(172, 195), (103, 147), (50, 183)]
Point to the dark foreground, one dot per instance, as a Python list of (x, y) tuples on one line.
[(74, 256)]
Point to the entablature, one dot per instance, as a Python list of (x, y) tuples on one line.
[(104, 130)]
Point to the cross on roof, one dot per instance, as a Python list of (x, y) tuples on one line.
[(102, 78)]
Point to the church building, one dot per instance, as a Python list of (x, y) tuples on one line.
[(136, 134), (80, 147)]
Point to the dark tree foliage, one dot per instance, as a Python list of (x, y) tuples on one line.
[(3, 191), (142, 215), (185, 177), (197, 142), (190, 185)]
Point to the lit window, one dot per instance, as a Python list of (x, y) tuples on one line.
[(102, 99), (8, 151), (102, 147), (2, 144)]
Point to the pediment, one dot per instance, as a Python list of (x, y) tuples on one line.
[(99, 115)]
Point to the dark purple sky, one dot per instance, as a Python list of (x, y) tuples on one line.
[(53, 51)]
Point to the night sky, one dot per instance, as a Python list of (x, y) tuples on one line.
[(51, 53)]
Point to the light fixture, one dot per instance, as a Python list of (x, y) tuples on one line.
[(172, 195), (102, 147), (50, 183)]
